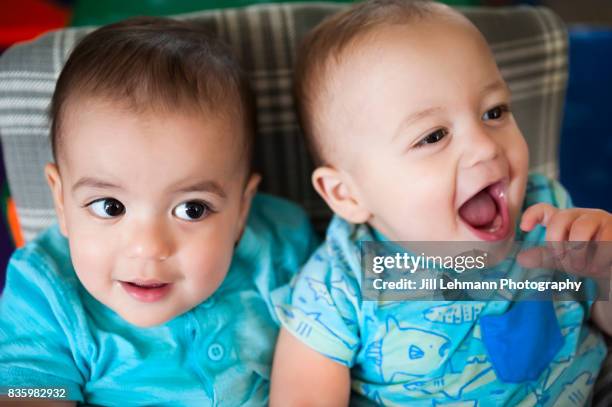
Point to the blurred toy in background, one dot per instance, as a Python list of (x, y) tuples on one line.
[(22, 20)]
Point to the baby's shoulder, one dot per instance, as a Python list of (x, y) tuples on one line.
[(45, 261), (41, 284), (277, 240), (276, 213), (281, 227), (336, 262)]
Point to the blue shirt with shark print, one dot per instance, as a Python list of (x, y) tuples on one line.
[(437, 353)]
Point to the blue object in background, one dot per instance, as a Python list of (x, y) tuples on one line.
[(586, 138)]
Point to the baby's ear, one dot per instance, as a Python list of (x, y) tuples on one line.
[(247, 197), (55, 184), (337, 190)]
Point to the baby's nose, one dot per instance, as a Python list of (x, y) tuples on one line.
[(150, 241), (479, 148)]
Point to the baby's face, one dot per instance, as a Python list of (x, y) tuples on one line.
[(421, 128), (152, 205)]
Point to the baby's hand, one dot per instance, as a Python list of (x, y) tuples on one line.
[(574, 225), (570, 225)]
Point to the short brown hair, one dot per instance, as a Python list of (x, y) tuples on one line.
[(152, 62), (327, 42)]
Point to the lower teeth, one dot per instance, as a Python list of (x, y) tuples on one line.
[(496, 224)]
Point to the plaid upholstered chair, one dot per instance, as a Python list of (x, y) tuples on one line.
[(529, 44)]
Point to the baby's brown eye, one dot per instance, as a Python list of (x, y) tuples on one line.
[(433, 137), (191, 210), (107, 208), (496, 113)]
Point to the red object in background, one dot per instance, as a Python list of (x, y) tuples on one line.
[(22, 20)]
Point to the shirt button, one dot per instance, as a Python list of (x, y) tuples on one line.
[(215, 352)]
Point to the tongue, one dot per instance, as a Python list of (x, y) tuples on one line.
[(480, 210)]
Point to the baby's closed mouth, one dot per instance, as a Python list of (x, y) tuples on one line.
[(146, 290), (486, 213)]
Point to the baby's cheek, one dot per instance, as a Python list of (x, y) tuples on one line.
[(519, 162), (205, 267), (93, 264), (516, 194), (518, 155)]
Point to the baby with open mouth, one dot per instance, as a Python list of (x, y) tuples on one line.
[(409, 121)]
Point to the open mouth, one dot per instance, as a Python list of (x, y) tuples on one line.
[(487, 214), (146, 291)]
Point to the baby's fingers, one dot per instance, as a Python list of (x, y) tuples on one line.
[(604, 233), (540, 213), (601, 260), (584, 228), (559, 226)]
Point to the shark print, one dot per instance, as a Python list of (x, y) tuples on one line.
[(405, 351)]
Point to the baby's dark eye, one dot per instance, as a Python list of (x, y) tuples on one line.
[(191, 210), (107, 208), (433, 137), (496, 113)]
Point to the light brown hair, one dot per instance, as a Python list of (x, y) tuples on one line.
[(328, 43)]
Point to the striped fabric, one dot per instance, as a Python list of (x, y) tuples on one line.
[(529, 44)]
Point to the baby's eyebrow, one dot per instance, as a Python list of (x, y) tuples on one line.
[(94, 183), (497, 85), (204, 186), (413, 117)]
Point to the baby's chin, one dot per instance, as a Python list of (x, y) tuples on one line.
[(146, 318), (145, 315)]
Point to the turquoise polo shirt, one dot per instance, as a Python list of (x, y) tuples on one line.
[(54, 334)]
